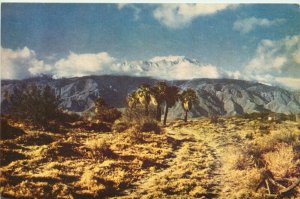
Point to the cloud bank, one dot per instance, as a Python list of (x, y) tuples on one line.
[(21, 63), (78, 65), (249, 24), (275, 62), (181, 15)]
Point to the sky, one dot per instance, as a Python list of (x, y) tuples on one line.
[(256, 42)]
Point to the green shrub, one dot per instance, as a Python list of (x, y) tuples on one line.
[(35, 104)]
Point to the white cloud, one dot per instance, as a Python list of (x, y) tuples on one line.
[(296, 56), (276, 56), (248, 24), (290, 82), (276, 62), (21, 63), (180, 15), (232, 74), (136, 9), (83, 64)]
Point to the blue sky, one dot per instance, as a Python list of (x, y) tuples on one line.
[(253, 41)]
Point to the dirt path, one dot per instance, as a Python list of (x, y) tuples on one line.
[(195, 169)]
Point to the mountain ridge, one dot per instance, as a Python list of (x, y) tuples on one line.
[(216, 96)]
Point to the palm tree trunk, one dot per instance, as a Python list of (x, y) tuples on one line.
[(146, 110), (185, 116), (130, 113), (158, 113), (166, 114)]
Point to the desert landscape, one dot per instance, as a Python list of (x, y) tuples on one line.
[(245, 156), (150, 100)]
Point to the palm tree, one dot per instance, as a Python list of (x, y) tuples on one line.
[(171, 97), (187, 98), (132, 100), (159, 92), (144, 96)]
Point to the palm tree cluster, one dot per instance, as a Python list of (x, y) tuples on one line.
[(161, 94)]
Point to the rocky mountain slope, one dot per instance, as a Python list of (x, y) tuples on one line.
[(216, 96)]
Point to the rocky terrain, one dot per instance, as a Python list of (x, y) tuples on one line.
[(216, 96)]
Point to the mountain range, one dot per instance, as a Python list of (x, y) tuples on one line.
[(216, 96)]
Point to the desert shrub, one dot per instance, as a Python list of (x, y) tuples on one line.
[(35, 139), (256, 115), (281, 161), (9, 132), (264, 129), (296, 148), (62, 149), (57, 126), (69, 117), (88, 116), (149, 126), (253, 153), (135, 134), (214, 119), (249, 136), (92, 126), (90, 181), (38, 105), (285, 137), (120, 127), (243, 162), (105, 113), (100, 148), (98, 127), (136, 119), (108, 115), (137, 115), (251, 156), (7, 156), (285, 117)]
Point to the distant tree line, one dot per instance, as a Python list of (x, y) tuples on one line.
[(39, 104)]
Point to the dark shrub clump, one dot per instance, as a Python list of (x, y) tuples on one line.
[(109, 115), (150, 126), (120, 127), (8, 131)]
